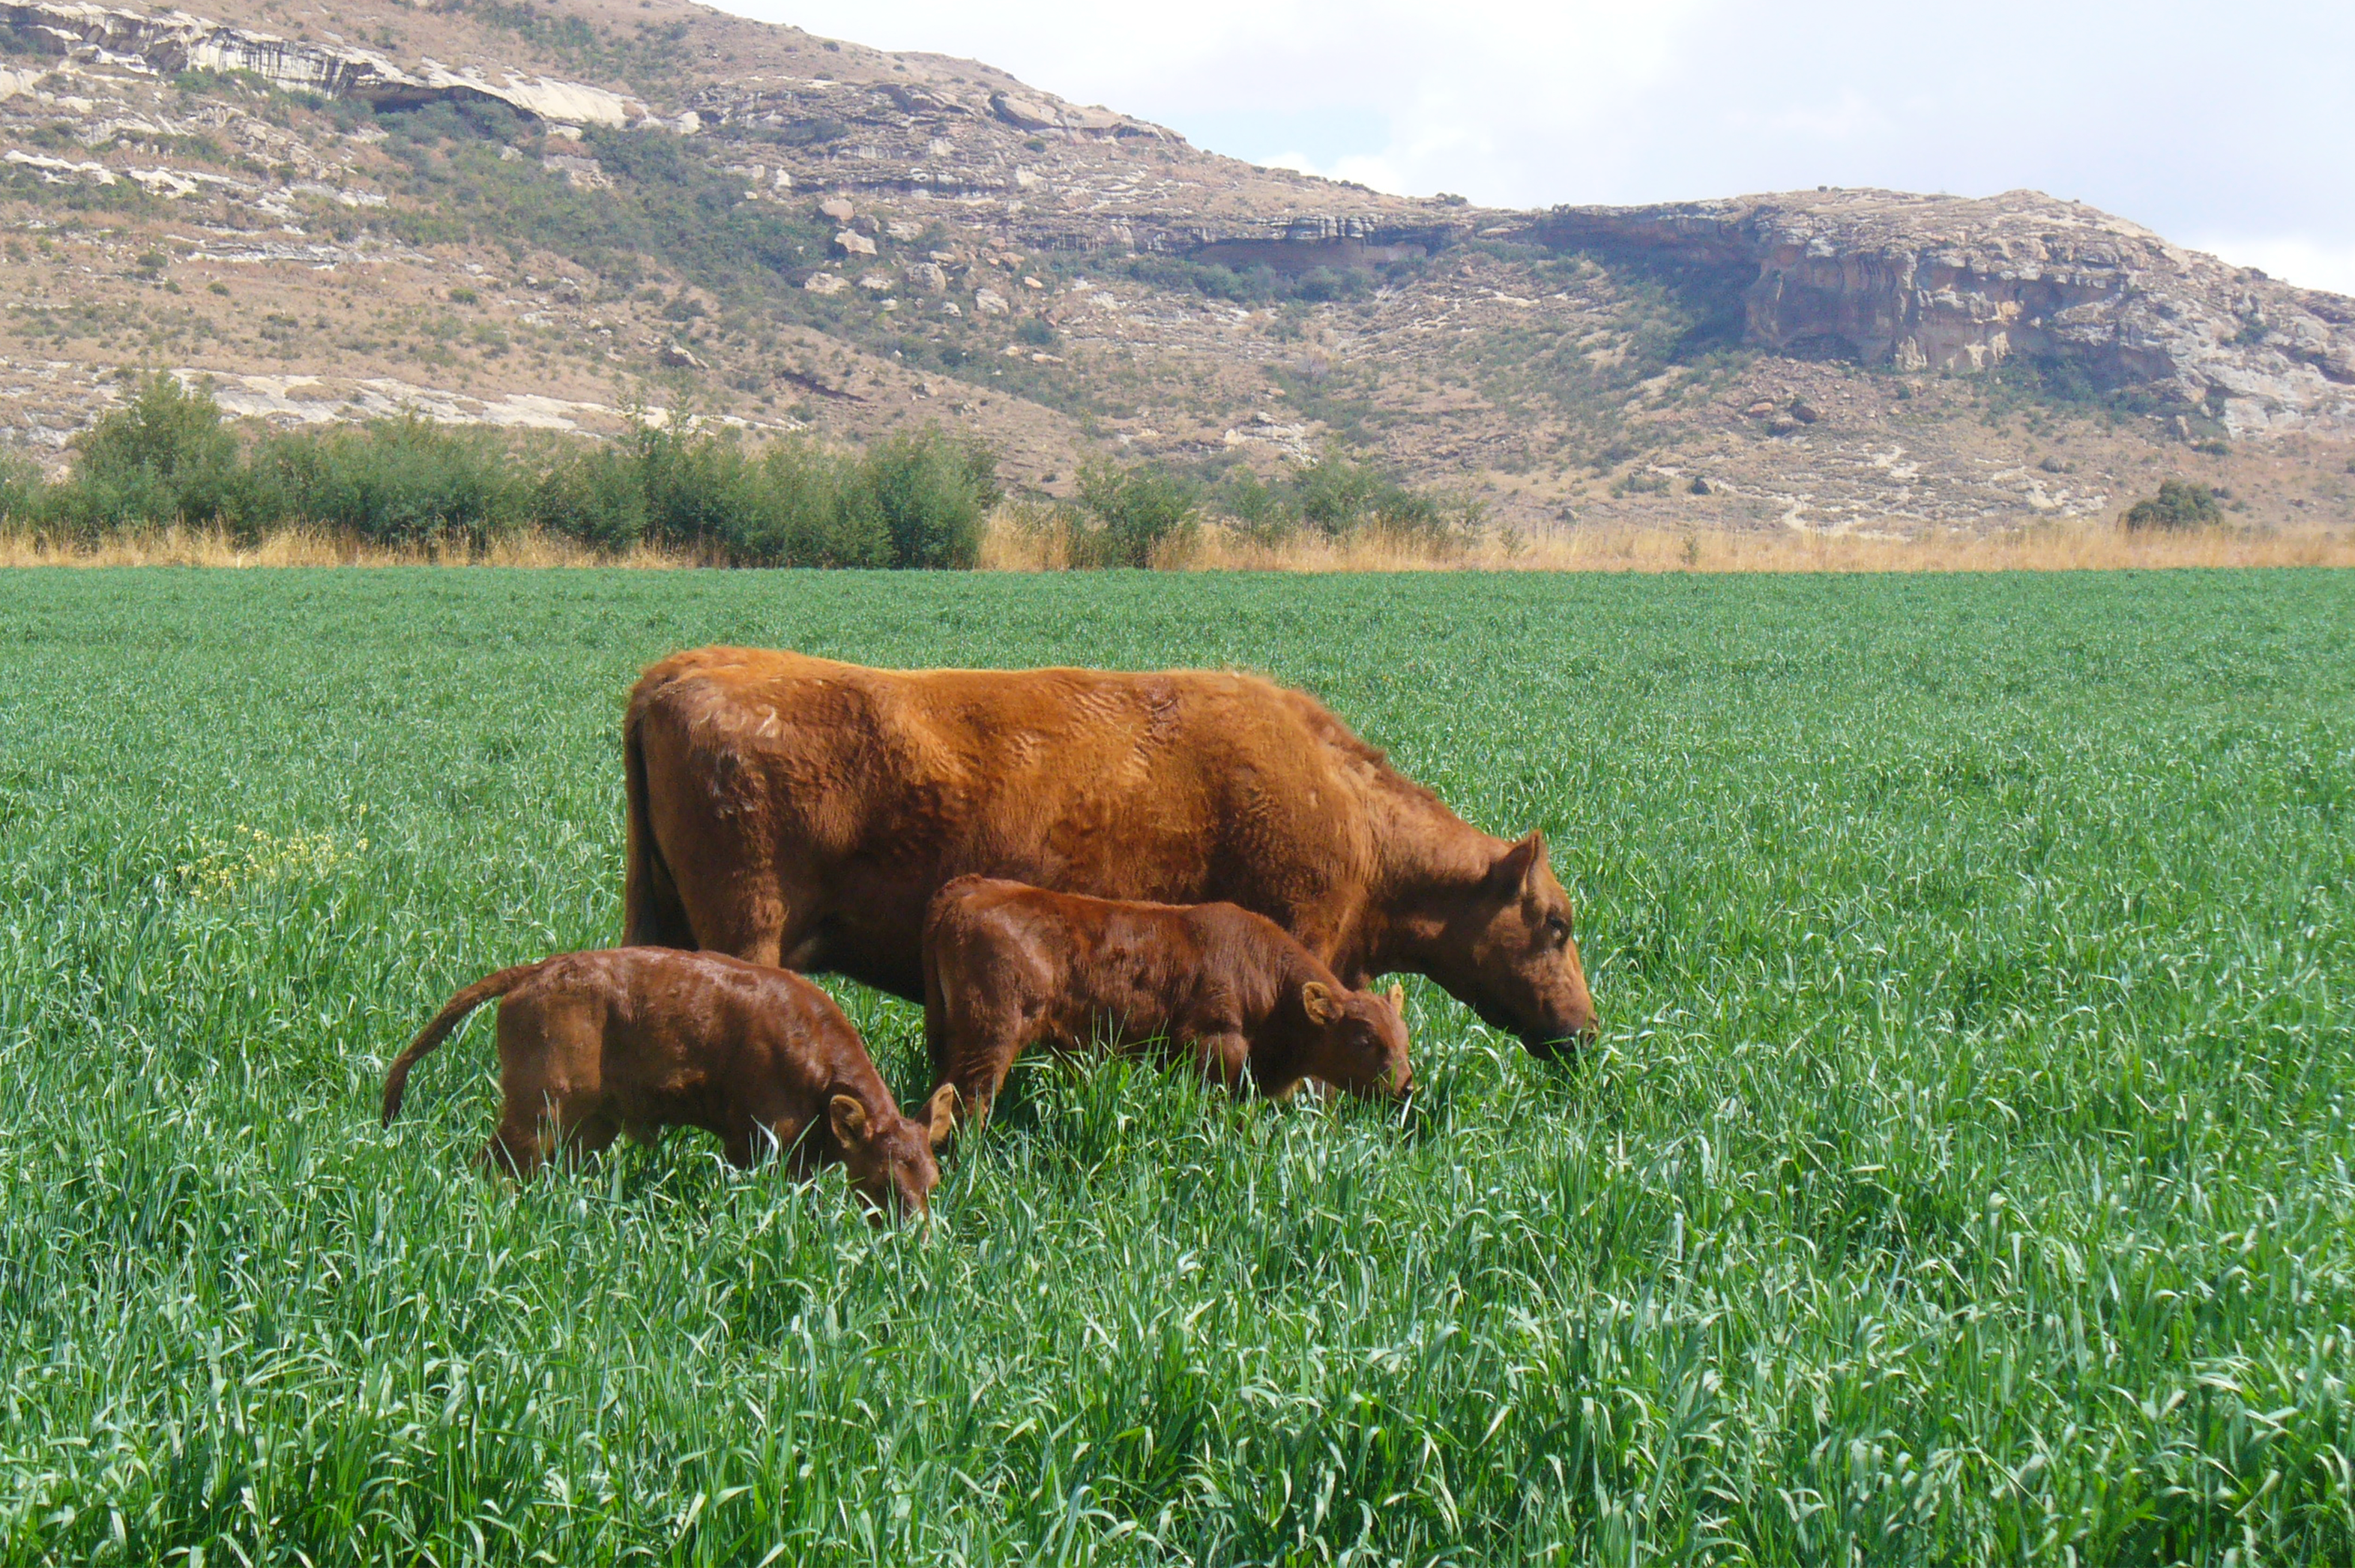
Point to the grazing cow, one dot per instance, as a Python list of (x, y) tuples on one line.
[(635, 1040), (1008, 965), (796, 811)]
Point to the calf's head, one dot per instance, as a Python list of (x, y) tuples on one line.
[(1506, 948), (890, 1161), (1359, 1041)]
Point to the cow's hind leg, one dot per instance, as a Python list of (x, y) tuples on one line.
[(749, 923), (749, 911)]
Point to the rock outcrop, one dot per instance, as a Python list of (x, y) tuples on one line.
[(174, 41), (1946, 283)]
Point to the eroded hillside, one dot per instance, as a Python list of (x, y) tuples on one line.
[(548, 214)]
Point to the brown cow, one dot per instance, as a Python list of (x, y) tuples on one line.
[(1007, 965), (634, 1040), (793, 810)]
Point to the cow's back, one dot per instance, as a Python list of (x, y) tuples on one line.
[(844, 797)]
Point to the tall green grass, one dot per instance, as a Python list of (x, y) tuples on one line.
[(1962, 1175)]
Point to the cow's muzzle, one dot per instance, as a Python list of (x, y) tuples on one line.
[(1553, 1047)]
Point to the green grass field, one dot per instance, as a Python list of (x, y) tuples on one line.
[(1963, 1176)]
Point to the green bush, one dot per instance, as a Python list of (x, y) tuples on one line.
[(21, 493), (1338, 497), (2180, 504), (594, 494), (915, 500), (808, 523), (700, 492), (1141, 515), (399, 481), (165, 457), (930, 493), (703, 491), (1334, 495), (1261, 512)]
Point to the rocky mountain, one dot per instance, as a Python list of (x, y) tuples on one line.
[(1939, 283), (548, 213)]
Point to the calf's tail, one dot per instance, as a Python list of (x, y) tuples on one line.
[(396, 1082)]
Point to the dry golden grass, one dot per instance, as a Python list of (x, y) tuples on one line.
[(2092, 547), (1009, 546), (302, 547)]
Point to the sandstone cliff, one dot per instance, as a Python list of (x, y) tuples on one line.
[(1952, 284)]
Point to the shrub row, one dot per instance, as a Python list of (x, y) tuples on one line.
[(169, 457), (1340, 499), (1146, 515)]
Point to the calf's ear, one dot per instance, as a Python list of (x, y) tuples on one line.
[(1396, 997), (939, 1116), (1316, 999), (849, 1118)]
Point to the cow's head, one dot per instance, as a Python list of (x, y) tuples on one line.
[(1507, 949), (890, 1161), (1358, 1040)]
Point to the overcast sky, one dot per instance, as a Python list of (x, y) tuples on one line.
[(2230, 127)]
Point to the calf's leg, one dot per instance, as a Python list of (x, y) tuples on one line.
[(550, 1077), (1223, 1059), (977, 1051), (975, 1025)]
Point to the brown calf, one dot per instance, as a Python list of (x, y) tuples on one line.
[(637, 1038), (1008, 965)]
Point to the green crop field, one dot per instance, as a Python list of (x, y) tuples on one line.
[(1963, 1176)]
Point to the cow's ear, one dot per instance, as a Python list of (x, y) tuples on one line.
[(849, 1119), (940, 1116), (1517, 867), (1316, 999), (1396, 997)]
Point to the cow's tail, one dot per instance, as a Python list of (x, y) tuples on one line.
[(396, 1082), (652, 912)]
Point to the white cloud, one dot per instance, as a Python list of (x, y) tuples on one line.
[(1376, 172), (2151, 108)]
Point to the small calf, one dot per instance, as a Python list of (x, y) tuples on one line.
[(637, 1038), (1007, 965)]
